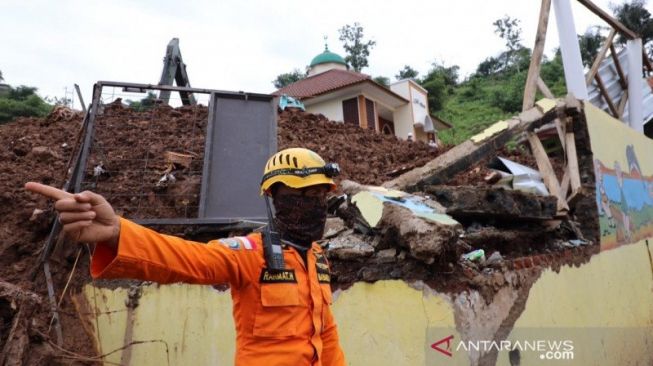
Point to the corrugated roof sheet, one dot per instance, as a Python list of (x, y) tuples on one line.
[(610, 77)]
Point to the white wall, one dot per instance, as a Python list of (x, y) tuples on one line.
[(401, 88), (332, 109), (325, 67), (419, 103), (402, 119)]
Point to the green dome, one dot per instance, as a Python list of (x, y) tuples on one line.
[(326, 57)]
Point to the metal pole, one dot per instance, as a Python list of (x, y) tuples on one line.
[(635, 96), (81, 99), (571, 60)]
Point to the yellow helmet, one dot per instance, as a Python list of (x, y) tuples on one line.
[(298, 168)]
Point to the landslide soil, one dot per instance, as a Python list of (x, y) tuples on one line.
[(129, 148)]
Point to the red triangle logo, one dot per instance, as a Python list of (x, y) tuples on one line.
[(445, 351)]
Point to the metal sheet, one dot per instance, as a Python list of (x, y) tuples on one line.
[(242, 136), (610, 77)]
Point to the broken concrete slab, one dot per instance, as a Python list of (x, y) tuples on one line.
[(489, 132), (397, 219), (474, 202), (333, 227), (425, 239), (370, 201), (446, 166), (349, 246)]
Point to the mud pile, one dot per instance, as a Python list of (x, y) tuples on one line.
[(126, 164), (39, 150), (364, 156)]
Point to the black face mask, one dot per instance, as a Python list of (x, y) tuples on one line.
[(300, 219)]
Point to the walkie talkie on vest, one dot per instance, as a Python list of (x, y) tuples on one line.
[(272, 243)]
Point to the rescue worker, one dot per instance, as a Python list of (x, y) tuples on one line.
[(282, 318)]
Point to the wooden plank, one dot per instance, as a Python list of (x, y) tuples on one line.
[(544, 89), (564, 184), (620, 71), (362, 113), (572, 163), (599, 57), (536, 58), (561, 133), (546, 170), (604, 93), (445, 166), (609, 19), (622, 103)]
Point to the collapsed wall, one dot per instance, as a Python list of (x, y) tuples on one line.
[(378, 234)]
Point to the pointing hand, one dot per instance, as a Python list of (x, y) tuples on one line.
[(86, 216)]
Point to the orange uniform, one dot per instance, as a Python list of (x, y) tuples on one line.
[(281, 318)]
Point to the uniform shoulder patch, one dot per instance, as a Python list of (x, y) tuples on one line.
[(238, 242), (231, 243), (283, 276), (246, 242)]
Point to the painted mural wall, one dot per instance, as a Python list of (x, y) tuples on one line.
[(623, 162), (597, 313)]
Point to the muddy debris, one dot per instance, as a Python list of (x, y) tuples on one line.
[(412, 238)]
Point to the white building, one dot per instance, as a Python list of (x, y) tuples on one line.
[(346, 96)]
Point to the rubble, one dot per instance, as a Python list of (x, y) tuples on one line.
[(381, 232), (468, 202), (349, 246)]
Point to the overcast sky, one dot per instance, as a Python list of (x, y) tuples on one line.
[(244, 45)]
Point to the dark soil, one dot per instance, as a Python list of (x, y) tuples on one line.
[(130, 148), (364, 156)]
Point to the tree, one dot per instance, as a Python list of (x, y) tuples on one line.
[(635, 16), (357, 48), (385, 81), (489, 66), (143, 104), (439, 82), (288, 78), (590, 42), (407, 73), (22, 101), (508, 29), (1, 78)]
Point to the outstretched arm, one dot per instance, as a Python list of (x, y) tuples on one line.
[(127, 250)]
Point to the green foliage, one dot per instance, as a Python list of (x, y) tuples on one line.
[(385, 81), (288, 78), (483, 100), (21, 101), (636, 18), (494, 92), (407, 73), (358, 50), (440, 82), (509, 30), (144, 104)]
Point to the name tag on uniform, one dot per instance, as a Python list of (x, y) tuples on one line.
[(322, 268), (284, 276), (323, 277)]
